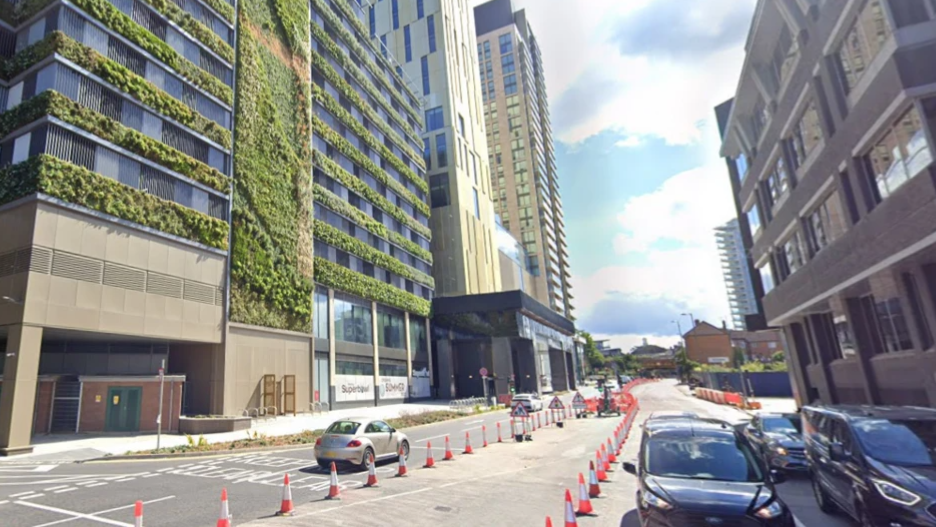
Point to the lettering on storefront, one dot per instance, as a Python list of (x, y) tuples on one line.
[(420, 387), (393, 387), (354, 388)]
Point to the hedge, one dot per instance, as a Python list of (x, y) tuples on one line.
[(330, 274), (119, 76), (332, 19), (344, 146), (193, 27), (322, 37), (57, 105), (335, 108), (333, 202), (80, 186), (111, 17), (334, 171), (223, 8), (345, 242)]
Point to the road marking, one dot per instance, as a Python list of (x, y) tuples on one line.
[(69, 489), (115, 509), (151, 475), (23, 468), (430, 438), (124, 479), (32, 496), (55, 488), (382, 498), (97, 484), (21, 494), (165, 469), (4, 501), (76, 515)]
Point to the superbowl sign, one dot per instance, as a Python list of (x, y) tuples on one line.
[(354, 388)]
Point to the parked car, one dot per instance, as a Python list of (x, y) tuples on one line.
[(778, 438), (695, 471), (875, 463), (358, 440), (672, 414), (531, 401)]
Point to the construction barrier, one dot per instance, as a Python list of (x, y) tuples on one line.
[(730, 398)]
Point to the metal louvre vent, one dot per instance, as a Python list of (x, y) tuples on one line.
[(7, 263), (22, 261), (40, 260), (219, 297), (199, 293), (77, 267), (160, 284), (124, 277)]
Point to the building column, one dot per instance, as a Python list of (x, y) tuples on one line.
[(331, 348), (409, 354), (429, 350), (376, 352), (18, 395)]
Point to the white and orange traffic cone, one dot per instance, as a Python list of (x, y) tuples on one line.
[(138, 514), (372, 473), (604, 459), (611, 457), (401, 470), (547, 418), (548, 521), (468, 449), (333, 484), (584, 505), (602, 475), (448, 450), (484, 436), (286, 504), (499, 440), (430, 462), (224, 518), (593, 489), (570, 520), (532, 424), (539, 423)]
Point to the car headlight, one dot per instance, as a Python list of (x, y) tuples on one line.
[(771, 510), (780, 450), (650, 499), (895, 494)]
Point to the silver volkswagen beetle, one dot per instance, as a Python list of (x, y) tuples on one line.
[(355, 440)]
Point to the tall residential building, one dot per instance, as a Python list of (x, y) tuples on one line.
[(831, 138), (149, 226), (433, 42), (741, 299), (520, 147)]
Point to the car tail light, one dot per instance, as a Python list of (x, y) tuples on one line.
[(318, 442), (354, 443)]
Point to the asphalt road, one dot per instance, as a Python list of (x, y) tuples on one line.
[(504, 484)]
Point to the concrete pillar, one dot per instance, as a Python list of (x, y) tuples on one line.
[(376, 352), (409, 353), (18, 396), (429, 349), (331, 347)]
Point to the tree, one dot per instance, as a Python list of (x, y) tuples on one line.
[(683, 363), (593, 358), (627, 363), (738, 358), (778, 356)]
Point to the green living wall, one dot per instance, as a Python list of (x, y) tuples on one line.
[(271, 254)]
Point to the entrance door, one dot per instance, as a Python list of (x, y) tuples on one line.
[(123, 409)]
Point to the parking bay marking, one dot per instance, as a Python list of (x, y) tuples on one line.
[(94, 515)]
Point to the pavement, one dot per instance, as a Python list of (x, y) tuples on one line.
[(503, 484)]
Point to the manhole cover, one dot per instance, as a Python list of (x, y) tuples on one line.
[(440, 508)]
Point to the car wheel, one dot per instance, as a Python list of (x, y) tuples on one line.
[(822, 497), (405, 448), (366, 458)]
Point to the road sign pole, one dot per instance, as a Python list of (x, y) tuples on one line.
[(162, 379)]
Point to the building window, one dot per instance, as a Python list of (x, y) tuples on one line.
[(901, 154), (395, 12), (510, 84), (824, 224), (418, 341), (863, 42), (490, 89), (474, 164), (420, 9), (383, 45), (487, 50), (806, 135), (439, 190), (909, 12), (353, 320), (766, 275), (320, 316), (390, 330), (506, 44), (778, 182), (791, 258), (846, 339), (753, 217), (424, 63), (407, 44), (742, 166), (430, 27), (784, 56), (442, 150), (461, 125), (895, 334), (477, 204), (507, 64), (346, 367), (434, 119), (427, 153), (916, 306), (373, 21)]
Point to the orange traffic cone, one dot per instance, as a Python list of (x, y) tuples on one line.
[(532, 424), (585, 506), (138, 514), (499, 440), (547, 418), (611, 457), (468, 449), (570, 520), (604, 459), (448, 450), (333, 485), (286, 504), (430, 462), (372, 473), (401, 470), (539, 424), (602, 475), (224, 519), (548, 521), (593, 489), (484, 436)]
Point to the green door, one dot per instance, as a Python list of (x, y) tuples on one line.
[(123, 409)]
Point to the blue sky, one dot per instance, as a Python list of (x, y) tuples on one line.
[(632, 86)]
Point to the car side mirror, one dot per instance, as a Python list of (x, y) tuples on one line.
[(753, 431), (777, 477), (629, 467), (837, 452)]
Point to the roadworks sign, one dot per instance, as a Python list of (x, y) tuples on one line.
[(556, 404), (519, 411), (578, 402)]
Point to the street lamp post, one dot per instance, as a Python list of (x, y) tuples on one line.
[(691, 318)]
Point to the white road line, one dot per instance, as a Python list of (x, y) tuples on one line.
[(69, 489), (22, 494), (124, 479), (151, 475), (382, 498), (76, 515), (115, 509), (4, 501), (430, 438), (32, 496), (165, 469), (97, 484), (55, 488)]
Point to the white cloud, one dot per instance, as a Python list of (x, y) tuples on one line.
[(631, 141)]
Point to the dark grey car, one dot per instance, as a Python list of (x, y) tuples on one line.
[(778, 438)]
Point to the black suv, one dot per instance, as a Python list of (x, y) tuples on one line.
[(874, 463), (779, 439), (703, 472)]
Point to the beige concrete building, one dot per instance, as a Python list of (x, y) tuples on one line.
[(524, 181), (433, 41)]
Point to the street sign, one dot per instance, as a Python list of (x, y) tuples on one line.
[(483, 371), (578, 402), (519, 411), (556, 404)]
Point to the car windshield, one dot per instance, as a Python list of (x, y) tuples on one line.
[(521, 397), (783, 425), (899, 442), (343, 428), (710, 458)]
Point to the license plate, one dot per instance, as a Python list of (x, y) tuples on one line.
[(328, 453)]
